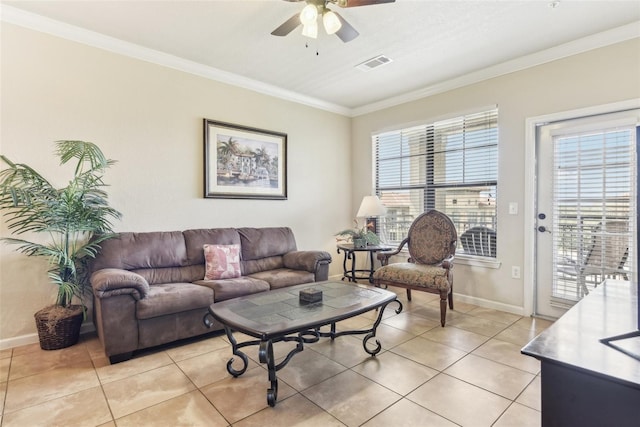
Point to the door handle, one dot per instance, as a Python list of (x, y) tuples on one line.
[(543, 229)]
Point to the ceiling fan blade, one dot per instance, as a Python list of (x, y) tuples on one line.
[(346, 31), (288, 26), (354, 3)]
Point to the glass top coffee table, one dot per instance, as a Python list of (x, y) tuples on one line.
[(280, 315)]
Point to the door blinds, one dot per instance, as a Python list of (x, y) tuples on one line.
[(594, 194)]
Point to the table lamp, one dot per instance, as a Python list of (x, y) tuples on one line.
[(371, 208)]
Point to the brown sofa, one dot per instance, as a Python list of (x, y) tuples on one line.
[(149, 288)]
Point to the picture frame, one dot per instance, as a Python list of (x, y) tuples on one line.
[(243, 162)]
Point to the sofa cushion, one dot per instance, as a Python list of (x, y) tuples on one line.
[(130, 251), (258, 243), (170, 298), (281, 277), (185, 274), (197, 238), (221, 261), (225, 289), (263, 264)]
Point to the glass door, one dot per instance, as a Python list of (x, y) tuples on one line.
[(586, 206)]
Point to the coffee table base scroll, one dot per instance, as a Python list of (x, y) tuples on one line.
[(308, 336), (370, 332)]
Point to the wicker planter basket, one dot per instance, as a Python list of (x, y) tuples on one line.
[(57, 329)]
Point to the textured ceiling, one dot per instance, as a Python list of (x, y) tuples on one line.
[(430, 42)]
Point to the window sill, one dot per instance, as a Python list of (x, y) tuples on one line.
[(477, 261)]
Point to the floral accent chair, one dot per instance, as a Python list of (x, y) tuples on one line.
[(432, 245)]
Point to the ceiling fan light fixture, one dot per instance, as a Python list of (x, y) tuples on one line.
[(309, 15), (310, 30), (331, 22)]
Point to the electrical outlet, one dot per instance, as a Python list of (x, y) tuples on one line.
[(515, 272)]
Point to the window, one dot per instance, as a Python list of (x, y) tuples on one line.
[(449, 165)]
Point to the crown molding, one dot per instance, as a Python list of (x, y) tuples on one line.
[(46, 25), (60, 29), (595, 41)]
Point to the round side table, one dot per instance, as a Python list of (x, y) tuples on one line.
[(351, 273)]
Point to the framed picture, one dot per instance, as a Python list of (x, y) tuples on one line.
[(243, 162)]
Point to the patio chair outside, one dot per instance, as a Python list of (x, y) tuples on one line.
[(605, 256), (479, 241)]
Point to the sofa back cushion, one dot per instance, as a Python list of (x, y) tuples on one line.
[(133, 251), (263, 248), (197, 238), (178, 256), (159, 257)]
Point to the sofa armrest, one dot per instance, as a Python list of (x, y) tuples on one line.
[(311, 261), (114, 281)]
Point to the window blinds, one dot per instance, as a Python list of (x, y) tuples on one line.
[(594, 207), (449, 165)]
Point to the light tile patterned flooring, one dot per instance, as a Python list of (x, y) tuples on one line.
[(470, 373)]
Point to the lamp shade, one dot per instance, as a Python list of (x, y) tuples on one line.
[(331, 22), (371, 206), (308, 14), (310, 30)]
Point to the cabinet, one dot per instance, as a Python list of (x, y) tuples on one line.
[(583, 381)]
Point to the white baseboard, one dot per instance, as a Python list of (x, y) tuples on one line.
[(33, 338), (481, 302)]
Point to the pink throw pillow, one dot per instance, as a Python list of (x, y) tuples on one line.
[(221, 261)]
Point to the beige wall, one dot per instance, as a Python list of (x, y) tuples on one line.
[(597, 77), (149, 118)]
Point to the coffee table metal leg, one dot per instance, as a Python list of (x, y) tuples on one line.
[(266, 356), (236, 352), (372, 331)]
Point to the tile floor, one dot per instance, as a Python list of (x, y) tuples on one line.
[(470, 373)]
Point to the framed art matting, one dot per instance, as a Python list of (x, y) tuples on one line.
[(244, 163)]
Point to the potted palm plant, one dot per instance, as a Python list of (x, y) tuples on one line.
[(75, 217)]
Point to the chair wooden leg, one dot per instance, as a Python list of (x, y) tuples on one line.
[(443, 309), (409, 294), (451, 299)]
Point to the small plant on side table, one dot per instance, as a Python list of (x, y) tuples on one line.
[(360, 236)]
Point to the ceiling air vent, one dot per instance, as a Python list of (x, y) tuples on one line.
[(375, 62)]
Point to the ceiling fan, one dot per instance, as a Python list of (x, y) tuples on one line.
[(332, 22)]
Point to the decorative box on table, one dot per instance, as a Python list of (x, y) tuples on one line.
[(310, 295)]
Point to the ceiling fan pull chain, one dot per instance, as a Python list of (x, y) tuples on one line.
[(306, 45)]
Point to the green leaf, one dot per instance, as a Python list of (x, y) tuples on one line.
[(70, 215)]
